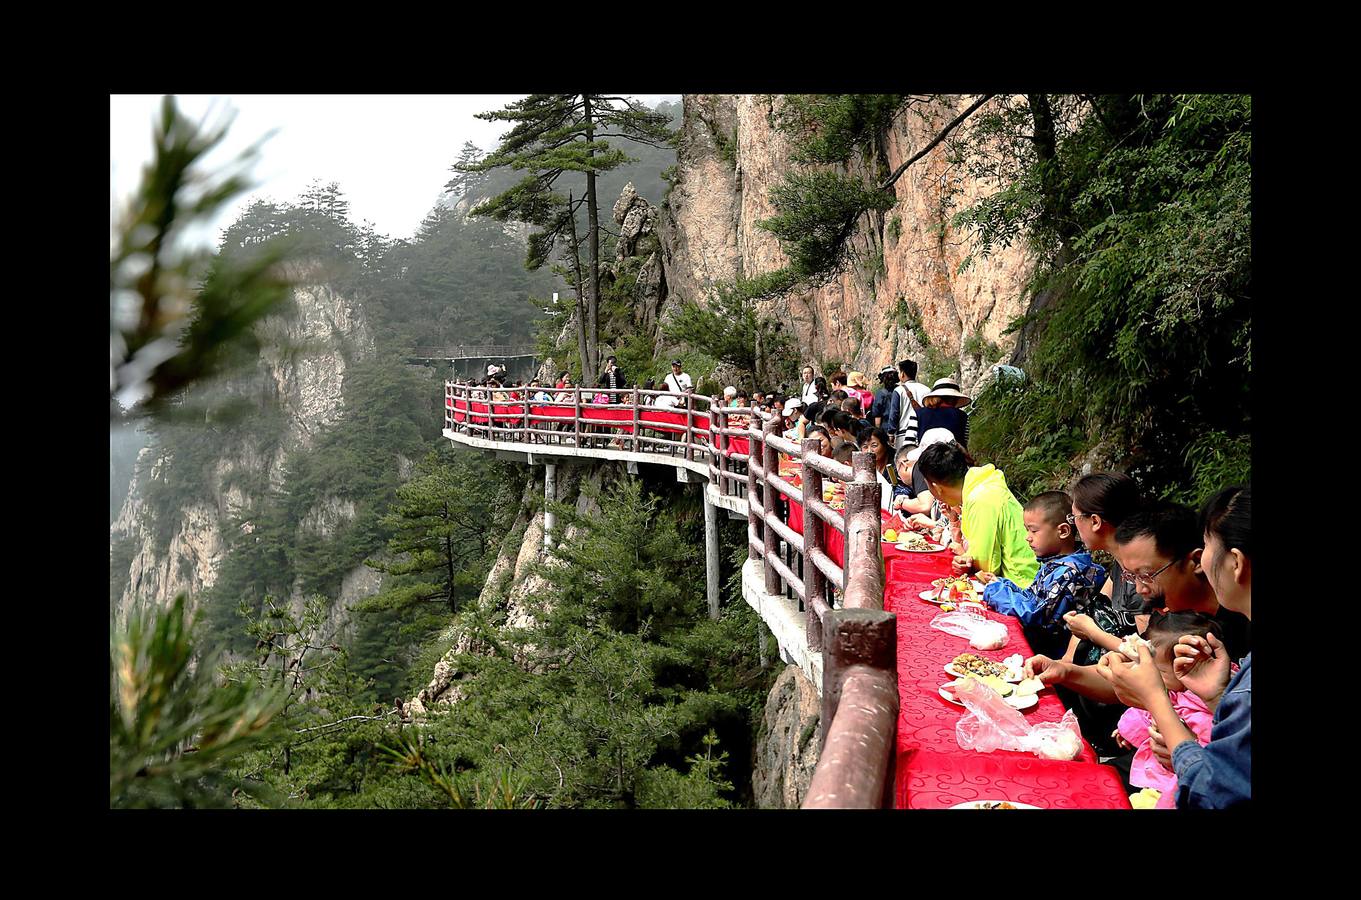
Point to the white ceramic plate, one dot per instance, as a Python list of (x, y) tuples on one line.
[(930, 596), (932, 548), (980, 804), (1018, 703), (1012, 677)]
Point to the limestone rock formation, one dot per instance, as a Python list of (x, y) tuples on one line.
[(303, 360), (905, 261), (634, 216), (787, 751), (511, 583)]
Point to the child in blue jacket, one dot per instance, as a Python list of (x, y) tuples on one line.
[(1066, 574)]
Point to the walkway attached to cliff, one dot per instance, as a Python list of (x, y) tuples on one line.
[(818, 575)]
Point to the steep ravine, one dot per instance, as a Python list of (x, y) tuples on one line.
[(325, 329)]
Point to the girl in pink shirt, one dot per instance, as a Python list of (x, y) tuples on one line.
[(1162, 633)]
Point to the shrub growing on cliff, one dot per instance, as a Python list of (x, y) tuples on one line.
[(1145, 341)]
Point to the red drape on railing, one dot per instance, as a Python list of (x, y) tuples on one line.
[(476, 413)]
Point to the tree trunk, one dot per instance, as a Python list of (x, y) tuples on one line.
[(593, 237), (576, 287), (1046, 153), (449, 564)]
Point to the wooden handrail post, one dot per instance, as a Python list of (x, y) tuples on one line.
[(852, 637), (689, 426), (769, 497), (526, 436), (756, 441), (864, 556), (576, 415), (718, 444), (637, 430), (813, 579)]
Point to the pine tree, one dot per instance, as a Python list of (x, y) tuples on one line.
[(440, 524), (554, 134)]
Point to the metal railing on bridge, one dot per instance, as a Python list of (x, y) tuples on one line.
[(740, 448)]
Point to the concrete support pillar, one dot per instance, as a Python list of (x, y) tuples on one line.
[(550, 494), (711, 550)]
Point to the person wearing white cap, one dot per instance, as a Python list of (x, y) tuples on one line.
[(730, 396), (792, 419), (941, 409), (923, 502)]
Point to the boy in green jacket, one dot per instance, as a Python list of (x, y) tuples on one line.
[(993, 523)]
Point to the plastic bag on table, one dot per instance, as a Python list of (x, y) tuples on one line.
[(991, 724), (972, 624)]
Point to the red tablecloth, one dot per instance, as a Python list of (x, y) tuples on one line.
[(933, 772)]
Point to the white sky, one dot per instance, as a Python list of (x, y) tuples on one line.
[(390, 154)]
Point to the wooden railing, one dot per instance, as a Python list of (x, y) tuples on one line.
[(856, 638)]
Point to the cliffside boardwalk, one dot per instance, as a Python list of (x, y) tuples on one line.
[(814, 576)]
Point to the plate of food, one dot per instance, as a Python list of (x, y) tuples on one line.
[(1008, 692), (946, 606), (966, 664), (993, 804), (950, 590), (911, 542)]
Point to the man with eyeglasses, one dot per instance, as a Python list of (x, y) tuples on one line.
[(1158, 550)]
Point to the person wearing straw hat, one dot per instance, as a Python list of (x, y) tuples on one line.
[(857, 385), (941, 409)]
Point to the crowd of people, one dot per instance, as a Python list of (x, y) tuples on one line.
[(1153, 652)]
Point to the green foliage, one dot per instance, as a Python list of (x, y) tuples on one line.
[(731, 330), (725, 144), (1146, 341), (164, 335), (443, 525), (631, 684), (816, 213), (500, 790), (1216, 460), (323, 750), (830, 128), (894, 229), (1019, 425), (981, 348), (172, 728)]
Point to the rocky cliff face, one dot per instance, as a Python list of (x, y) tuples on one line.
[(787, 751), (512, 580), (905, 264), (305, 362)]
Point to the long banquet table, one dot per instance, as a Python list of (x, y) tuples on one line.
[(933, 771)]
